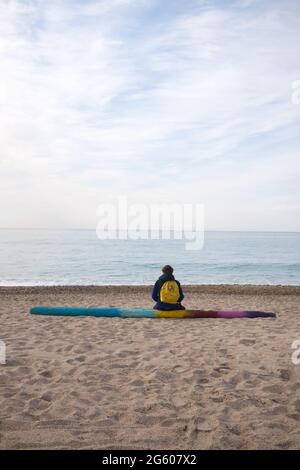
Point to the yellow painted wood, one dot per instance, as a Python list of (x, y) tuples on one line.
[(171, 313)]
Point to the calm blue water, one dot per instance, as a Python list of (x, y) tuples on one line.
[(36, 257)]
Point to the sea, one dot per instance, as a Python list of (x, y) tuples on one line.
[(79, 257)]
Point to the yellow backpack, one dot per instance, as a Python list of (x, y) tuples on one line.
[(169, 292)]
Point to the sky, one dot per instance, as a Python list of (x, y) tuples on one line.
[(158, 101)]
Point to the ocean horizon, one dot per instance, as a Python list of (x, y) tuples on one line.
[(37, 257)]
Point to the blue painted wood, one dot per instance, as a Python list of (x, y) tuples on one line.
[(77, 311), (95, 312)]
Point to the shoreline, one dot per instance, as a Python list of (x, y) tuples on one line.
[(246, 289)]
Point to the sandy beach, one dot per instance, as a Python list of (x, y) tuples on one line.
[(87, 383)]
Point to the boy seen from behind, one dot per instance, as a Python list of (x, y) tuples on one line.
[(167, 291)]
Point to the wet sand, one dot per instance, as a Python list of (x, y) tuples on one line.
[(85, 382)]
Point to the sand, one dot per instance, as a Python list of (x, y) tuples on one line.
[(87, 383)]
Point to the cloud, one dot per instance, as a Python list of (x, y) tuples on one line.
[(101, 98)]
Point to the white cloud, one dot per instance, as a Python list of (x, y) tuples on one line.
[(99, 98)]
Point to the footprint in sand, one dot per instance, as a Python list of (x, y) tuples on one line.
[(200, 377), (284, 374), (137, 383), (48, 374), (80, 358), (37, 405), (24, 370), (247, 342), (222, 369), (297, 405), (48, 396), (273, 389)]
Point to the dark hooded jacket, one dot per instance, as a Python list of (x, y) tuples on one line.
[(156, 292)]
